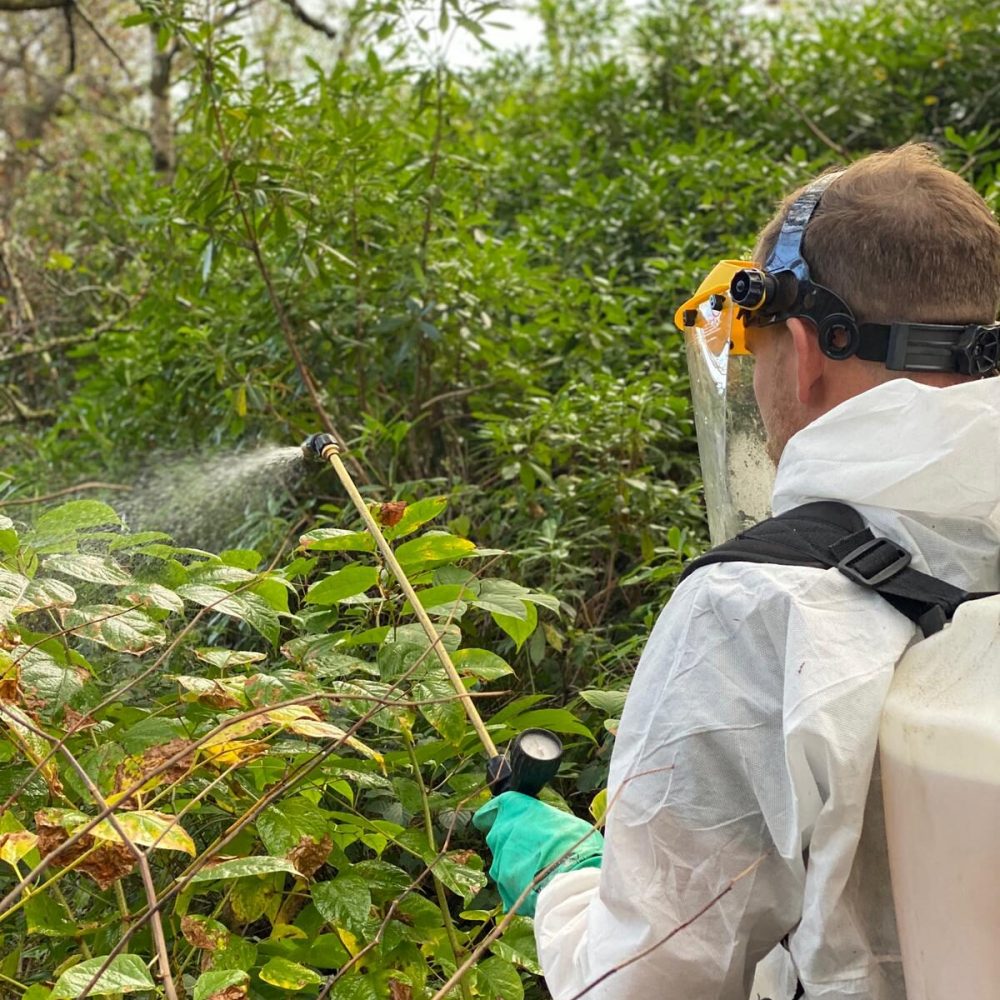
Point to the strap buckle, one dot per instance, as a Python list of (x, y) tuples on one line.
[(900, 559)]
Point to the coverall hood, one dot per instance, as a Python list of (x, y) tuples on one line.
[(918, 462)]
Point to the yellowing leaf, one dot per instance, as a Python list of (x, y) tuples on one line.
[(289, 975), (349, 941), (233, 752), (14, 846), (147, 829), (599, 806)]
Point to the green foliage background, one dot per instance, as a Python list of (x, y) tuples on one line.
[(479, 270)]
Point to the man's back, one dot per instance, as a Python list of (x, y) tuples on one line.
[(751, 727)]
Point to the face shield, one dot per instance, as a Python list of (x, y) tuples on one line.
[(736, 470)]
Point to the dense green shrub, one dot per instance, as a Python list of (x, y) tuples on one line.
[(478, 271)]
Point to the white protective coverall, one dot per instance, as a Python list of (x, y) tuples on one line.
[(750, 732)]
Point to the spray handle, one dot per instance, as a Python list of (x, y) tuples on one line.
[(531, 762)]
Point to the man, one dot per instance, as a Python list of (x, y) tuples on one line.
[(746, 807)]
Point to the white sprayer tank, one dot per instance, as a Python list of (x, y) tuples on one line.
[(940, 756)]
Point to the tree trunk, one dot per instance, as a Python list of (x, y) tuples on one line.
[(161, 125)]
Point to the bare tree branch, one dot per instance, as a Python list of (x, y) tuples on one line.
[(306, 18), (70, 38), (22, 5), (104, 42)]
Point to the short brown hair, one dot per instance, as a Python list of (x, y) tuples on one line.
[(899, 237)]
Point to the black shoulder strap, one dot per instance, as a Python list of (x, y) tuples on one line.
[(828, 535)]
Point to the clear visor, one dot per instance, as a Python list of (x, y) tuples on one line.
[(736, 470)]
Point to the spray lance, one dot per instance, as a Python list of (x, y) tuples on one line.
[(532, 757)]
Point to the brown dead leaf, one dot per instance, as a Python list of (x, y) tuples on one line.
[(75, 721), (105, 865), (196, 932), (391, 513), (230, 993), (155, 757), (9, 639), (308, 855), (8, 685), (220, 698), (108, 864), (400, 991)]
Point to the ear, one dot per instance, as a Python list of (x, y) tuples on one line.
[(810, 362)]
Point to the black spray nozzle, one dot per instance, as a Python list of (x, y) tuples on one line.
[(315, 444), (531, 762)]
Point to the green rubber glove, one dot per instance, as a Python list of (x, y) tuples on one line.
[(525, 836)]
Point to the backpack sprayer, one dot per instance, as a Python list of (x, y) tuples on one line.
[(533, 757)]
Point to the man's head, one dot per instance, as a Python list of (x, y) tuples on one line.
[(899, 238)]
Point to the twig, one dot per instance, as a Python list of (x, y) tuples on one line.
[(306, 18), (666, 937), (104, 42), (809, 123), (78, 488), (70, 38), (455, 394), (142, 860)]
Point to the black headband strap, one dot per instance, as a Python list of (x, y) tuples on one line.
[(971, 349), (787, 252)]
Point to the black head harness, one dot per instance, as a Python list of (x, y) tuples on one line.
[(784, 289)]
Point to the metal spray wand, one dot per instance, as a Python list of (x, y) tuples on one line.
[(533, 757)]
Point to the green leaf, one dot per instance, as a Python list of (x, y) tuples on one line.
[(610, 703), (345, 901), (92, 569), (559, 720), (504, 597), (432, 549), (520, 631), (481, 663), (75, 516), (209, 984), (150, 732), (124, 974), (497, 979), (46, 917), (518, 945), (337, 540), (356, 987), (45, 680), (288, 975), (218, 656), (12, 588), (346, 582), (445, 599), (440, 706), (462, 878), (120, 629), (152, 595), (283, 825), (416, 516), (245, 607), (244, 867), (46, 593)]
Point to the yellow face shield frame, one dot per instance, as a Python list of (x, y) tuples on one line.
[(713, 312)]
